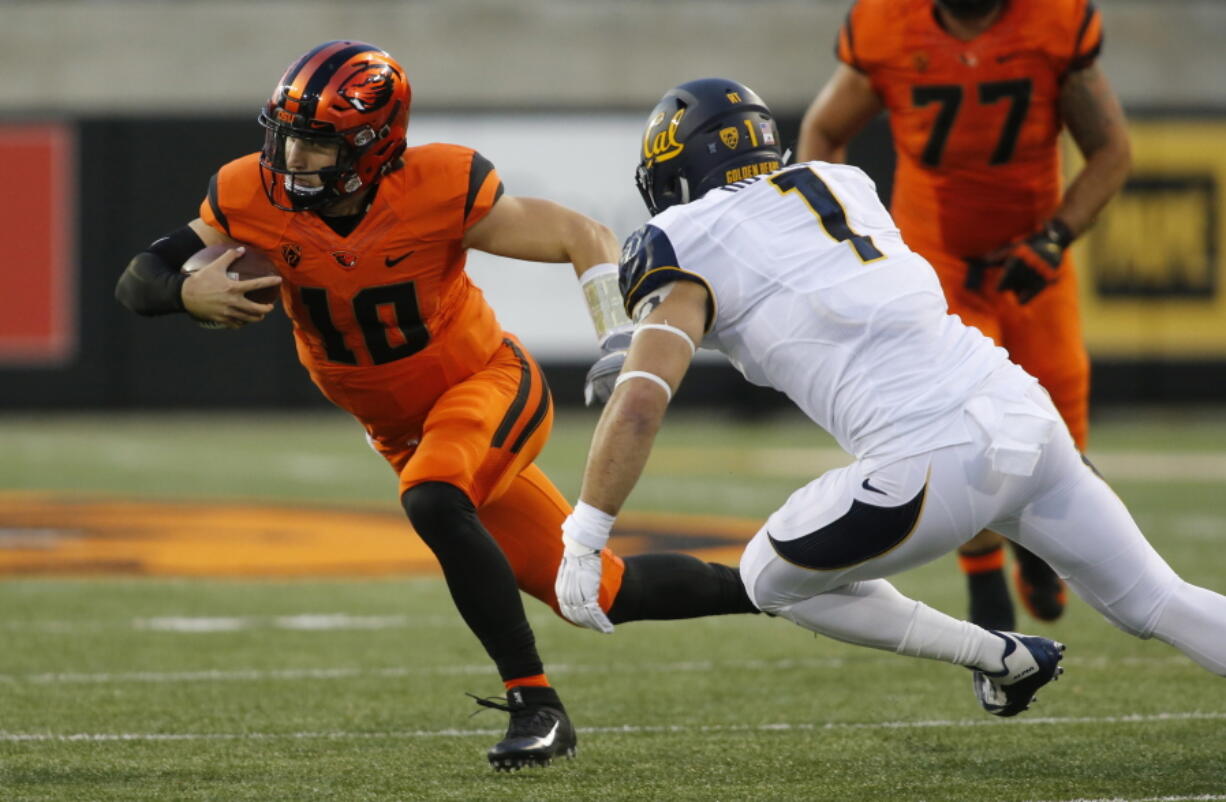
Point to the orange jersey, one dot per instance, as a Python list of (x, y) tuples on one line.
[(389, 305), (975, 124)]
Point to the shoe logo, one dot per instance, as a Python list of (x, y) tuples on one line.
[(548, 740), (869, 487), (390, 262)]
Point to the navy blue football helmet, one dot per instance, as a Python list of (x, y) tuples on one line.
[(701, 135)]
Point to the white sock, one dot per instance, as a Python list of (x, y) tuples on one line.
[(873, 613)]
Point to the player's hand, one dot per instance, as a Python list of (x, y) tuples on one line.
[(598, 385), (578, 587), (1033, 262), (212, 297)]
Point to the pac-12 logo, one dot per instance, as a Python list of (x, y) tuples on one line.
[(368, 89)]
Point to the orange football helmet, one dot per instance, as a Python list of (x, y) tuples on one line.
[(348, 93)]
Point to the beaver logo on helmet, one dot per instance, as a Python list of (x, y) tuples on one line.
[(348, 95), (368, 89)]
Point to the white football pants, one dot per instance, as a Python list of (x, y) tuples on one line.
[(1062, 511)]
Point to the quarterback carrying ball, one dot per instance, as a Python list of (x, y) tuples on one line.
[(369, 237)]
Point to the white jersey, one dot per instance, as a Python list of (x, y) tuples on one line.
[(816, 295)]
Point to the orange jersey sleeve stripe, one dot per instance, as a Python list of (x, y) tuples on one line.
[(215, 205), (1089, 41), (484, 189), (845, 44)]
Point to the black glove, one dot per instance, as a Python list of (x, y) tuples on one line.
[(1033, 262)]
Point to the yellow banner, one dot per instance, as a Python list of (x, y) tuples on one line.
[(1152, 274)]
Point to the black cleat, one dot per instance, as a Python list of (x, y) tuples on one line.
[(1041, 591), (1030, 662), (538, 732)]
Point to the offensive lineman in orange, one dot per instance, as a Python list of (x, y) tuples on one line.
[(369, 238), (977, 92)]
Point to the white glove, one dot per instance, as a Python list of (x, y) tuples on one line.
[(577, 586), (598, 384)]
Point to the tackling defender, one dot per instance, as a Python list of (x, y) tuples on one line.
[(801, 278), (369, 238)]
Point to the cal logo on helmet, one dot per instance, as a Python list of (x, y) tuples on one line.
[(704, 134), (662, 145)]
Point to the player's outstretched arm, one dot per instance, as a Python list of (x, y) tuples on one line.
[(626, 430), (1094, 117), (538, 230), (663, 345), (543, 231), (843, 106)]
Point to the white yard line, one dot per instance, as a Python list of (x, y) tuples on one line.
[(198, 625), (628, 729), (348, 672)]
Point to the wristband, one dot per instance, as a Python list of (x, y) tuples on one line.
[(587, 526), (604, 300)]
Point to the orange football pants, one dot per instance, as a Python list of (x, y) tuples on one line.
[(482, 436), (1043, 336)]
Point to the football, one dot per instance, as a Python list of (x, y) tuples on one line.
[(251, 264)]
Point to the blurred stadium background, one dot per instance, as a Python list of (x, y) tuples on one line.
[(113, 116)]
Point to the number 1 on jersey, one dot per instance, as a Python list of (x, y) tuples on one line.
[(826, 208)]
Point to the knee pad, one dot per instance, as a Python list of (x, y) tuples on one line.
[(436, 508)]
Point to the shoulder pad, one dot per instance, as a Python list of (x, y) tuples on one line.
[(649, 262)]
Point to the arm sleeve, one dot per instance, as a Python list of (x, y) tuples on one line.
[(152, 283)]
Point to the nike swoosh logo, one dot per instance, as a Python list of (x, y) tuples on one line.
[(869, 487), (390, 262), (548, 740)]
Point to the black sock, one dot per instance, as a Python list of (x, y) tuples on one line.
[(667, 586), (990, 604), (480, 578)]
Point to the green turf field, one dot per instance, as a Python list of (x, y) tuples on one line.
[(155, 688)]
